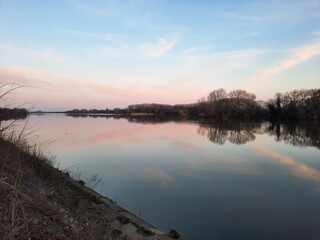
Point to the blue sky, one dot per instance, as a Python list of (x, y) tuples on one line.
[(113, 53)]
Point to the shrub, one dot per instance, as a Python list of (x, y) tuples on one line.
[(174, 234)]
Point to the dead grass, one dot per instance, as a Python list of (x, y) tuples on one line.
[(37, 201)]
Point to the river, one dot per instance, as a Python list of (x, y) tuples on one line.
[(207, 179)]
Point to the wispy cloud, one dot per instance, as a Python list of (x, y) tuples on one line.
[(146, 50), (295, 56), (25, 76), (49, 54), (222, 61), (119, 46), (252, 34), (106, 89), (111, 37), (124, 46), (188, 79), (157, 49)]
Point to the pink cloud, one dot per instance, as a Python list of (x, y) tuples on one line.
[(296, 56), (297, 168), (108, 89), (156, 175), (56, 92), (24, 76), (134, 134)]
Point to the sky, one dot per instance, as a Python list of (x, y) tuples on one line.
[(105, 54)]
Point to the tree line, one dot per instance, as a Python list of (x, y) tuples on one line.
[(6, 112), (13, 113), (238, 104), (295, 105)]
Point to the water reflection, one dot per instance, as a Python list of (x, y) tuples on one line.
[(189, 175), (242, 132), (94, 115), (297, 168), (301, 135), (131, 118), (234, 132)]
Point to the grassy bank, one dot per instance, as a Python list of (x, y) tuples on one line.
[(38, 201)]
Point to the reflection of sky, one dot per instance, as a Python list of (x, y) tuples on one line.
[(178, 179)]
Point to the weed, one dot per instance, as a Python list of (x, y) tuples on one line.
[(81, 182), (116, 233), (97, 217), (144, 232), (123, 219), (95, 199), (174, 234)]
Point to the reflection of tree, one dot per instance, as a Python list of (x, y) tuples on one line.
[(296, 135), (302, 135), (201, 130), (147, 119), (218, 132), (275, 130), (234, 132), (94, 115), (144, 119), (217, 135), (241, 137)]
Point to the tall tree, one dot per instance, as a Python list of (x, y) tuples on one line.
[(217, 95)]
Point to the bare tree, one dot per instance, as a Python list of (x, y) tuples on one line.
[(217, 95), (241, 94)]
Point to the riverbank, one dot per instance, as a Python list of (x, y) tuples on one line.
[(38, 201)]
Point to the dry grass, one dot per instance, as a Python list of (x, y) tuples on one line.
[(37, 201)]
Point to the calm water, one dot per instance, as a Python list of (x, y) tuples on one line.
[(208, 180)]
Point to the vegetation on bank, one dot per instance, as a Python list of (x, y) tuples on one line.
[(174, 234), (296, 105), (38, 201), (13, 113)]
